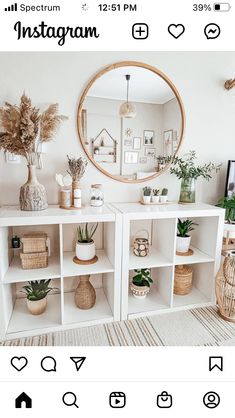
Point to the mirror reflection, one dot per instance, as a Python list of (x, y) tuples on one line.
[(131, 121)]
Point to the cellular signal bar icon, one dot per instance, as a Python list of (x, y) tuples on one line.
[(12, 8)]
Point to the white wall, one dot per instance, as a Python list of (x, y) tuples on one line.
[(61, 77)]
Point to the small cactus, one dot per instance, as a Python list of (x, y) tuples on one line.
[(156, 192), (147, 191), (164, 192)]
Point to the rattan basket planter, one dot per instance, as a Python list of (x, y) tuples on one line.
[(34, 243), (34, 260), (183, 280)]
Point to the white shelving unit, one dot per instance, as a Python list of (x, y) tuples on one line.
[(61, 313), (161, 223)]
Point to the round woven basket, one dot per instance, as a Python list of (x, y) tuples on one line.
[(183, 280)]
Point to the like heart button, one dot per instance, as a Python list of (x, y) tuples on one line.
[(176, 30), (19, 363)]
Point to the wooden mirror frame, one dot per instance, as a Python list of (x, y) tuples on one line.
[(80, 115)]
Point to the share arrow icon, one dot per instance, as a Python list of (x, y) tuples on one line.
[(78, 361)]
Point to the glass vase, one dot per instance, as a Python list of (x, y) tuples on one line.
[(187, 191)]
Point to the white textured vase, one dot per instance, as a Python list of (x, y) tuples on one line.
[(85, 251), (33, 195), (182, 244)]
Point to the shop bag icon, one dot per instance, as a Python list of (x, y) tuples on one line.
[(164, 400)]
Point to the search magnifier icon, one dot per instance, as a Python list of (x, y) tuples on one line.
[(70, 399)]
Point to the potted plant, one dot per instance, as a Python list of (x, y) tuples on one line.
[(141, 283), (155, 195), (164, 195), (36, 294), (23, 129), (147, 194), (183, 238), (188, 172), (228, 203), (85, 246)]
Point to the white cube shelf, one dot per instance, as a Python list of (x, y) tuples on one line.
[(61, 312), (161, 223)]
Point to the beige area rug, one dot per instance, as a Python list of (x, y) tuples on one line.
[(198, 327)]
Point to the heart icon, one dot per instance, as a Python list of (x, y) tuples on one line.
[(176, 30), (19, 363)]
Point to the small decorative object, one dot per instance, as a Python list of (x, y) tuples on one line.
[(77, 168), (183, 280), (168, 143), (24, 129), (161, 162), (148, 137), (183, 239), (150, 152), (104, 147), (147, 194), (65, 183), (77, 198), (131, 157), (127, 109), (96, 195), (85, 295), (128, 132), (156, 196), (141, 244), (36, 294), (164, 195), (225, 289), (228, 203), (85, 246), (141, 283), (15, 242), (186, 170), (136, 142)]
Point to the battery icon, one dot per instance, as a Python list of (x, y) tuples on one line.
[(222, 7)]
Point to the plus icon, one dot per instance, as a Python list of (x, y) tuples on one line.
[(140, 31)]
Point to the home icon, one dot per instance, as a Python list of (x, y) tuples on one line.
[(23, 401)]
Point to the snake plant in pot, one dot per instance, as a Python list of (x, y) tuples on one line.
[(36, 294), (183, 238), (141, 283), (85, 246)]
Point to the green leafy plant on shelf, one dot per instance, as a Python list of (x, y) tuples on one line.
[(142, 278), (184, 227), (85, 234), (228, 203), (37, 290)]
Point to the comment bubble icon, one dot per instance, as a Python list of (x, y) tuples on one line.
[(48, 364)]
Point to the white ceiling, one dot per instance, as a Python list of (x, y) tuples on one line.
[(145, 86)]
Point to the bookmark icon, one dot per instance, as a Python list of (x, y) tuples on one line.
[(78, 361)]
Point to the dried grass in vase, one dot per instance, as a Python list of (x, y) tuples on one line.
[(77, 167)]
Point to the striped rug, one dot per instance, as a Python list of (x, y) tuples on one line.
[(197, 327)]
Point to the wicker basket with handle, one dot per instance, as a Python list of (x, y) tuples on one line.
[(34, 243), (183, 280), (34, 260)]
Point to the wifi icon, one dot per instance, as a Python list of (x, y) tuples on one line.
[(12, 8)]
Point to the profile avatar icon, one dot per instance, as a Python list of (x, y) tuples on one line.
[(211, 400)]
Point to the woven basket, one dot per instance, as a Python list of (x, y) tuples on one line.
[(183, 280), (34, 243), (34, 260)]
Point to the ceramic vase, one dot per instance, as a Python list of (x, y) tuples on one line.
[(85, 295), (37, 307), (33, 195), (85, 251)]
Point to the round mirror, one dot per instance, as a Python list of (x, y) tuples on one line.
[(130, 121)]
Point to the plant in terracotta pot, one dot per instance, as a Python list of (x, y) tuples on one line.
[(164, 195), (183, 238), (156, 195), (22, 130), (141, 283), (85, 246), (147, 191), (36, 294), (228, 203), (188, 172)]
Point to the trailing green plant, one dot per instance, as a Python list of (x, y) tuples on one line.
[(85, 234), (184, 227), (142, 278), (156, 192), (164, 192), (185, 167), (228, 203), (147, 191), (37, 290)]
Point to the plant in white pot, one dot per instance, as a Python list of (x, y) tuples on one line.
[(141, 283), (147, 191), (164, 195), (183, 238), (85, 245), (156, 195), (36, 294), (228, 203)]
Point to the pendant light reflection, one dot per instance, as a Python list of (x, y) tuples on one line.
[(127, 109)]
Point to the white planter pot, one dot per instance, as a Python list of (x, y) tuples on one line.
[(163, 199), (155, 199), (182, 244), (37, 307), (229, 231), (139, 292), (85, 251), (147, 199)]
